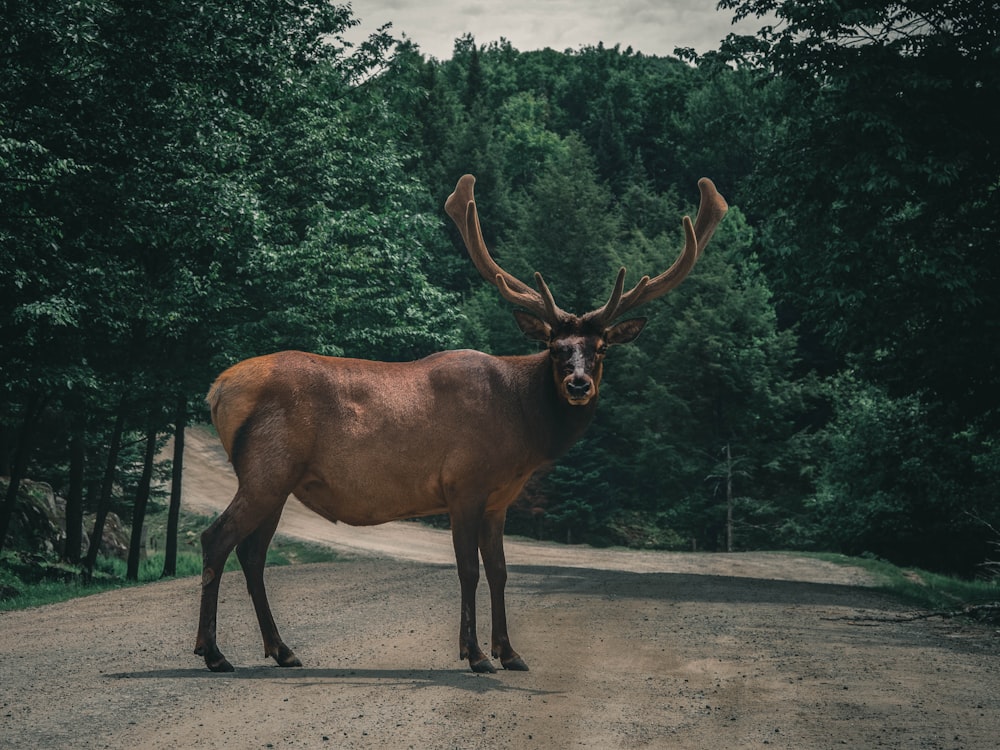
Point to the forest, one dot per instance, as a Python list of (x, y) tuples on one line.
[(187, 184)]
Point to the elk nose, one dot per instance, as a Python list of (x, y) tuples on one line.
[(578, 388)]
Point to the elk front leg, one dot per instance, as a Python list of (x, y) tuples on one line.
[(252, 553), (491, 546), (464, 533)]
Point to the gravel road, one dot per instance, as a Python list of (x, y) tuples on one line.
[(627, 650)]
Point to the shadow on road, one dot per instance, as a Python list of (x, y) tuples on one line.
[(409, 678), (690, 587)]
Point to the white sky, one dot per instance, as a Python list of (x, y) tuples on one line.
[(653, 27)]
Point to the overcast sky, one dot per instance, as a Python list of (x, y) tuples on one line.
[(653, 27)]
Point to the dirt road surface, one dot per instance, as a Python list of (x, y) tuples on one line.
[(626, 649)]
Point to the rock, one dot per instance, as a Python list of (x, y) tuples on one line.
[(115, 539), (39, 524)]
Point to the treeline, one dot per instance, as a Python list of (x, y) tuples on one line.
[(185, 184), (188, 184)]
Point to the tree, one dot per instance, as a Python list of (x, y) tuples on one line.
[(187, 177), (712, 373), (889, 486), (878, 209), (562, 223), (568, 228), (885, 177), (342, 265)]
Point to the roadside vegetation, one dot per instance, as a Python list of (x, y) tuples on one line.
[(930, 594), (34, 580)]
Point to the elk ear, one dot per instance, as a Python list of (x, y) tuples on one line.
[(532, 327), (624, 332)]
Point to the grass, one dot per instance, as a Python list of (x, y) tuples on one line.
[(33, 581), (920, 588)]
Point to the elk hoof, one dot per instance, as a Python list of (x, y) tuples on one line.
[(220, 665), (515, 665), (483, 666), (286, 657), (214, 659)]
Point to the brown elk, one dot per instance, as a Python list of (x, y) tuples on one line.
[(458, 432)]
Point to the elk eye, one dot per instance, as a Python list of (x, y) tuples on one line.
[(602, 349)]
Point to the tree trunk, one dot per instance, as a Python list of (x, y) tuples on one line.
[(32, 413), (729, 499), (107, 485), (7, 445), (139, 509), (74, 498), (173, 516)]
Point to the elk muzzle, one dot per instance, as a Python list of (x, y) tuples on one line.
[(578, 389)]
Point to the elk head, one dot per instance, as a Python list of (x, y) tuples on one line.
[(577, 344)]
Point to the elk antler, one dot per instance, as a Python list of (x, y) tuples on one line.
[(461, 207), (710, 212)]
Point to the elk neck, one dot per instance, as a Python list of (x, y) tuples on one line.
[(554, 425)]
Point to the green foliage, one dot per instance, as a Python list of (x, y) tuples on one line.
[(711, 369), (877, 197), (568, 230), (890, 486), (34, 580), (877, 206), (186, 184), (640, 529)]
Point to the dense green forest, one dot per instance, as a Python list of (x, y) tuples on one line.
[(187, 184)]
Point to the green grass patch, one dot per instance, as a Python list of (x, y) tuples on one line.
[(33, 581), (920, 588)]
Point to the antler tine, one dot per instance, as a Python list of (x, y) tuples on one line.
[(543, 305), (461, 207), (711, 209), (551, 308), (604, 315)]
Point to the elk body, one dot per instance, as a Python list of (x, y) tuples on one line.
[(458, 432)]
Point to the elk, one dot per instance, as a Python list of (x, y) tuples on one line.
[(459, 432)]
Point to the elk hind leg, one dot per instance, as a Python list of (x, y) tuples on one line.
[(495, 563), (464, 536), (235, 524), (252, 554), (217, 541)]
